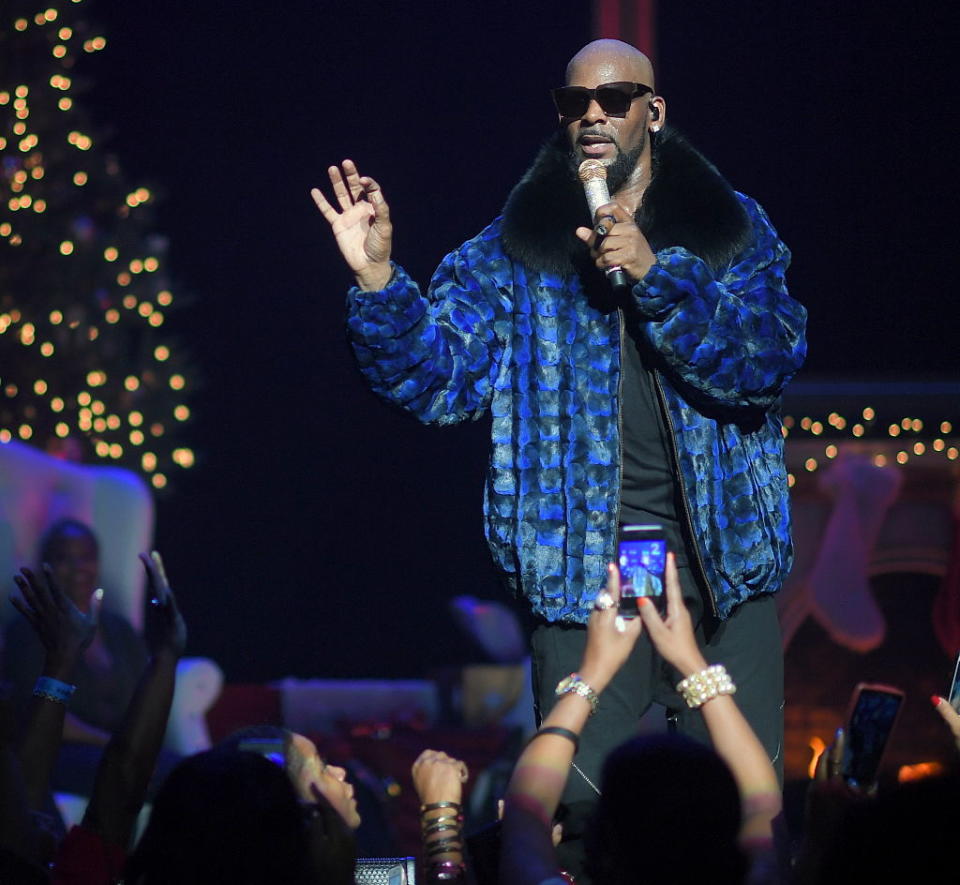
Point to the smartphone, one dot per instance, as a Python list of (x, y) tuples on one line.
[(642, 557), (873, 713), (954, 694)]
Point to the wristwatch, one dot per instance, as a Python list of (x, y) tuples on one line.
[(575, 685)]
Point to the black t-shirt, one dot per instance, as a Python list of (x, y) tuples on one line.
[(649, 494)]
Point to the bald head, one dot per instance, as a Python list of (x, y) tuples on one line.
[(606, 61), (598, 126)]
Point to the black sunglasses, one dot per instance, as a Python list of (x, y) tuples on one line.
[(614, 98)]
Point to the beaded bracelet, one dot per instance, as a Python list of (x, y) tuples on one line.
[(51, 689), (698, 688)]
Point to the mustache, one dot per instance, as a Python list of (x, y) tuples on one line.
[(596, 133)]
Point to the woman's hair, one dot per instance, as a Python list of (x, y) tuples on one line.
[(224, 816), (669, 811)]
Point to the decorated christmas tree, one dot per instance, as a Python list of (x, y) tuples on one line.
[(87, 369)]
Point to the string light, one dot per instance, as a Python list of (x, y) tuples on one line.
[(867, 436), (111, 396)]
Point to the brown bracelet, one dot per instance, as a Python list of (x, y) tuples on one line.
[(442, 846), (433, 806), (441, 824)]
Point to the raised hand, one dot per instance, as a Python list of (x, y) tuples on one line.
[(362, 226), (164, 629), (673, 636), (949, 715), (438, 777), (62, 628), (610, 637)]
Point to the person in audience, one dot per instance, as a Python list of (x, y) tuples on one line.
[(94, 852), (307, 769), (852, 834), (260, 806), (263, 806), (25, 846), (731, 812), (902, 834), (105, 674), (230, 816)]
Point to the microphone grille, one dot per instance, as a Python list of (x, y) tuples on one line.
[(591, 170)]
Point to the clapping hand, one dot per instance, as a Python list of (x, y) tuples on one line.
[(62, 628), (165, 629)]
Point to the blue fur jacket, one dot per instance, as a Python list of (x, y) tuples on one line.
[(518, 323)]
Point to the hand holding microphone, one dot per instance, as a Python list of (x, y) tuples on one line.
[(619, 247)]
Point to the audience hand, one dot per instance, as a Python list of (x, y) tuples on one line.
[(63, 629), (165, 629), (438, 777), (950, 716), (831, 759), (610, 636), (828, 801), (673, 636)]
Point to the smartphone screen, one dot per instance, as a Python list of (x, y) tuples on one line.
[(642, 557), (954, 694), (872, 718)]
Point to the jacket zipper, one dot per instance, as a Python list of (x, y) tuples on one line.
[(621, 328), (671, 436)]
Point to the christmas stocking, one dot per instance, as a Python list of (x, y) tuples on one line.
[(838, 583)]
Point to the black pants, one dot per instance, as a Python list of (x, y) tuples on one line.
[(748, 644)]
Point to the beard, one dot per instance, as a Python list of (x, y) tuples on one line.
[(618, 172)]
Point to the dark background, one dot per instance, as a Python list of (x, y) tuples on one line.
[(321, 533)]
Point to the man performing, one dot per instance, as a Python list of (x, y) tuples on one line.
[(654, 402)]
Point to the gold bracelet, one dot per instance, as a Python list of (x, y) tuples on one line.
[(698, 688)]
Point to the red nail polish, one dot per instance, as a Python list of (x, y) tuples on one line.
[(935, 700), (643, 601)]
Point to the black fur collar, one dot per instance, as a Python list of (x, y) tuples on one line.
[(688, 203)]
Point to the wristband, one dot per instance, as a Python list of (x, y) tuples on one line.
[(52, 689), (560, 732)]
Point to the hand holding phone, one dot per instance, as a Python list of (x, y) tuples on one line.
[(954, 694), (873, 713), (642, 558)]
